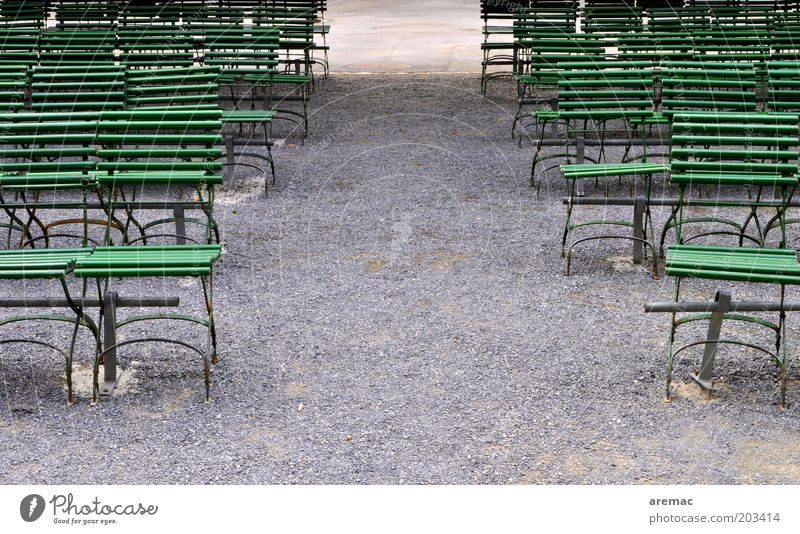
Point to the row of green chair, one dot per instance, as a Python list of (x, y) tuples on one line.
[(278, 33), (744, 167), (113, 155), (539, 57), (107, 87), (106, 131), (651, 26), (604, 97)]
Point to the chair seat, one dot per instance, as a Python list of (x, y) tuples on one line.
[(143, 261), (741, 264), (280, 78), (545, 78), (592, 170), (604, 114), (161, 177), (733, 178), (655, 118), (497, 46), (545, 115), (39, 263), (247, 115), (48, 180)]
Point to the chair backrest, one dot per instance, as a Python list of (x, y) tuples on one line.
[(153, 35), (92, 87), (19, 46), (496, 14), (703, 85), (213, 15), (784, 86), (747, 16), (294, 19), (238, 50), (73, 15), (85, 32), (160, 147), (611, 18), (545, 18), (545, 53), (728, 148), (605, 89), (786, 20), (682, 19), (174, 88), (47, 150), (13, 87), (77, 47), (735, 44), (657, 47), (784, 43), (148, 14), (148, 47), (295, 22), (23, 14)]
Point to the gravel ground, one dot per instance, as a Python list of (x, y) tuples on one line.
[(396, 311)]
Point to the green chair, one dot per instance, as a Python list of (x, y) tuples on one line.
[(169, 261), (596, 98), (754, 154), (530, 20), (497, 21), (52, 264), (757, 153), (295, 45), (198, 88), (44, 154), (772, 266), (162, 150), (608, 100), (250, 56), (167, 149), (537, 70)]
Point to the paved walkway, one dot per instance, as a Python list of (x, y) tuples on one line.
[(409, 36)]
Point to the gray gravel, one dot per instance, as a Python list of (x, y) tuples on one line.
[(396, 312)]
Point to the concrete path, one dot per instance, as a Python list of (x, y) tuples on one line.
[(410, 36)]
